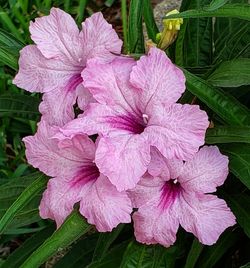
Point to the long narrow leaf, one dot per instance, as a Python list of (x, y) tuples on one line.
[(73, 227), (22, 200)]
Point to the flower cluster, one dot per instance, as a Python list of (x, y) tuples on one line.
[(146, 152)]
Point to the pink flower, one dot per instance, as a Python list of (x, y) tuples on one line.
[(76, 178), (54, 64), (136, 108), (173, 193)]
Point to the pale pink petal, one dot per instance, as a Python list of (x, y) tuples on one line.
[(57, 36), (109, 83), (158, 78), (177, 131), (104, 206), (84, 97), (102, 119), (166, 168), (100, 39), (207, 170), (57, 106), (123, 159), (58, 200), (43, 152), (38, 74), (146, 190), (152, 225), (206, 216)]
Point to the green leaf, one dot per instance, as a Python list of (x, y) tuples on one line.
[(149, 20), (112, 259), (240, 11), (142, 256), (135, 31), (247, 265), (28, 194), (9, 49), (21, 106), (223, 104), (233, 73), (227, 134), (193, 254), (80, 252), (73, 227), (104, 242), (215, 4), (211, 255), (240, 205), (23, 251), (239, 160)]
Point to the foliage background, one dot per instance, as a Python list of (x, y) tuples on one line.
[(213, 48)]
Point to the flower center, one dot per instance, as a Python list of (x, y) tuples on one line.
[(85, 175), (169, 192), (128, 122)]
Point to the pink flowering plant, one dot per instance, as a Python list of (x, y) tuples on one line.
[(139, 146)]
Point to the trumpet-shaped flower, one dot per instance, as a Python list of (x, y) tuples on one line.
[(76, 178), (174, 193), (54, 64), (136, 108)]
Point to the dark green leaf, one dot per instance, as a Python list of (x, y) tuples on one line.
[(9, 49), (104, 242), (215, 4), (22, 200), (135, 31), (112, 259), (20, 254), (80, 252), (148, 16), (240, 11), (223, 104), (239, 160), (194, 254), (211, 255), (73, 227), (22, 106), (240, 205), (233, 73), (227, 134)]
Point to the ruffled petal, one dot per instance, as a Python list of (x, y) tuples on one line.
[(158, 78), (104, 206), (152, 225), (57, 107), (206, 216), (57, 36), (58, 200), (109, 83), (43, 152), (207, 170), (100, 39), (177, 131), (38, 74), (123, 159)]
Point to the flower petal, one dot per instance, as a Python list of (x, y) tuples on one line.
[(176, 131), (58, 200), (109, 83), (57, 36), (207, 170), (123, 159), (158, 78), (100, 39), (206, 216), (104, 206), (38, 74), (43, 152), (57, 106), (152, 225), (84, 97)]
